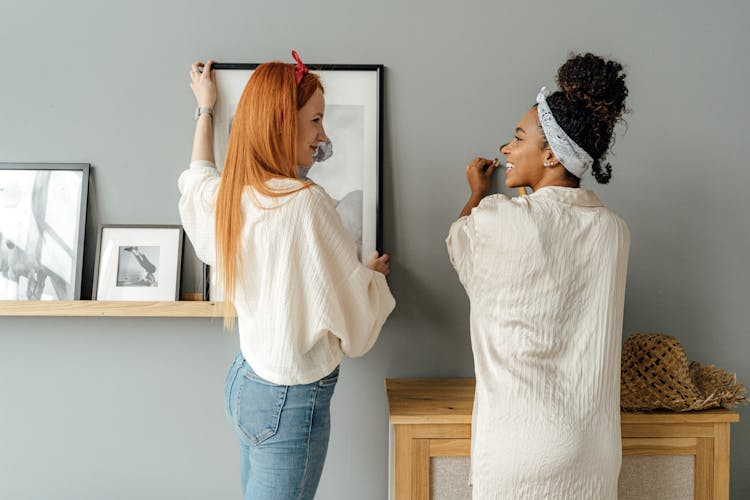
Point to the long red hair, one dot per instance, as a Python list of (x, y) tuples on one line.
[(262, 146)]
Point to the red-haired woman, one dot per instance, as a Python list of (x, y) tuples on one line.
[(289, 268)]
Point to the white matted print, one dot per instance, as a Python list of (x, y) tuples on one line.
[(138, 263), (42, 224), (352, 121)]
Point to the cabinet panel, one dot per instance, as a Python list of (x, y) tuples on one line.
[(665, 454), (449, 478), (656, 477), (642, 477)]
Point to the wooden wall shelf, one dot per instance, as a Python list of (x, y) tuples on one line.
[(81, 308)]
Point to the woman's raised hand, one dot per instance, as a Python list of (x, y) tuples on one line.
[(380, 263), (478, 174), (202, 83)]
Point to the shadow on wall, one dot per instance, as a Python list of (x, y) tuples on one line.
[(441, 346)]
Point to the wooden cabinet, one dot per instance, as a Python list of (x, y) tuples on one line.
[(665, 454)]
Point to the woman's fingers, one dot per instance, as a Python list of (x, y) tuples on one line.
[(202, 83), (481, 166), (478, 175), (491, 167), (384, 264), (195, 74), (380, 263)]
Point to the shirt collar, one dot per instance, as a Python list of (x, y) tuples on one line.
[(571, 196)]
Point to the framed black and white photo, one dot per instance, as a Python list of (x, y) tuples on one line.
[(138, 262), (42, 225), (352, 175)]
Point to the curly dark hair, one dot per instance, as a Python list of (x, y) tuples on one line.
[(590, 102)]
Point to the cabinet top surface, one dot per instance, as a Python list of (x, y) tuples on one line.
[(450, 401)]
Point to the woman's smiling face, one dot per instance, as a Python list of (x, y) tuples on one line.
[(524, 155), (310, 130)]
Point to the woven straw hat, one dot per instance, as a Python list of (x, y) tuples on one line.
[(656, 376)]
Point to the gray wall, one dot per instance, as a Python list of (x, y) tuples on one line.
[(132, 408)]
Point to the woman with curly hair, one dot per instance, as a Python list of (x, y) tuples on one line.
[(545, 275)]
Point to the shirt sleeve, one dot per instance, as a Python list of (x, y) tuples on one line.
[(460, 242), (199, 186), (462, 236), (353, 300)]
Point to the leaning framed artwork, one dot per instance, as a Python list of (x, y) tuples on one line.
[(352, 175), (42, 225), (138, 262)]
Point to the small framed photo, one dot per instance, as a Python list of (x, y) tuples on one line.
[(138, 262), (353, 174), (42, 224)]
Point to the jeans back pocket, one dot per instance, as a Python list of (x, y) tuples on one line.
[(259, 407)]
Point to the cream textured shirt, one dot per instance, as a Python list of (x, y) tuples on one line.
[(545, 275), (303, 298)]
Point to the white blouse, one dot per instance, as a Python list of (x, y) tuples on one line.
[(545, 275), (303, 298)]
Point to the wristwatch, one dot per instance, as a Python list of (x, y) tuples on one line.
[(200, 111)]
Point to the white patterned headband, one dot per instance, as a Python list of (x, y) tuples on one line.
[(571, 155)]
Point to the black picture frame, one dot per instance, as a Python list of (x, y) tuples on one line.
[(42, 244), (342, 88), (204, 281), (212, 290)]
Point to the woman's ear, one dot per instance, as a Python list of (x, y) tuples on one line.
[(550, 160)]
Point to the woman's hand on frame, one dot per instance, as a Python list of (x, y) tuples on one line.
[(202, 83), (380, 263)]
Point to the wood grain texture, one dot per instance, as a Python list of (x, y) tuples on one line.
[(721, 461), (704, 469), (450, 447), (430, 401), (450, 401), (403, 461), (659, 446), (100, 308), (420, 469)]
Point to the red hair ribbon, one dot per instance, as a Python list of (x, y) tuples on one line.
[(301, 69)]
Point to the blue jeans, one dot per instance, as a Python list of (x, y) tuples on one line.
[(283, 432)]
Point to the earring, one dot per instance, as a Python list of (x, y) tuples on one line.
[(547, 163)]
